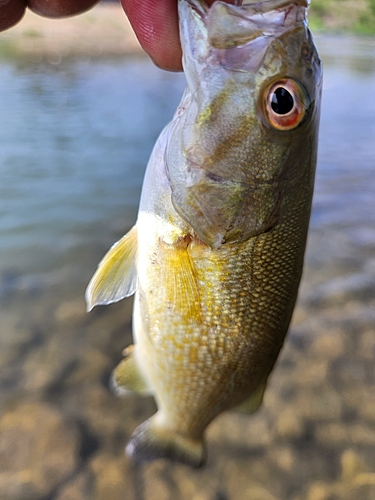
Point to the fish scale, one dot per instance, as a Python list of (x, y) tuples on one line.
[(254, 312), (216, 255)]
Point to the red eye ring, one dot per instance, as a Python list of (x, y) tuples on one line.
[(284, 104)]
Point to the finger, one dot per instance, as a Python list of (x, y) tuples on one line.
[(155, 24), (10, 13), (60, 8)]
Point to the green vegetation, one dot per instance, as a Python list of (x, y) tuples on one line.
[(8, 49), (356, 16), (32, 33)]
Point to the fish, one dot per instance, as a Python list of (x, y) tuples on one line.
[(216, 255)]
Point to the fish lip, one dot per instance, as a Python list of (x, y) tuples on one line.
[(227, 26), (246, 9), (268, 5), (262, 6)]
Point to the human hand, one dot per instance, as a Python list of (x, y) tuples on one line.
[(11, 11), (155, 22)]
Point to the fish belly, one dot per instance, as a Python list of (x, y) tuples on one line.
[(207, 350)]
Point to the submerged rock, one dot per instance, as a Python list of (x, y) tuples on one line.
[(38, 451)]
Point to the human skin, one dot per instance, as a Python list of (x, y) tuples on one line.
[(154, 22)]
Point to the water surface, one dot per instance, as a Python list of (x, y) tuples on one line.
[(75, 139)]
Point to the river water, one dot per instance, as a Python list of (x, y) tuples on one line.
[(75, 138)]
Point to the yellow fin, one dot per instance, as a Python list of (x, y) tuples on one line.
[(116, 276), (127, 378), (253, 402), (151, 440), (182, 293)]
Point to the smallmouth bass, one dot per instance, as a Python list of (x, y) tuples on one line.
[(216, 255)]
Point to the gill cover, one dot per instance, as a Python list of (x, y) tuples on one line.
[(223, 154)]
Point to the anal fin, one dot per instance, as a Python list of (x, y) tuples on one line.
[(151, 441), (127, 378), (253, 402)]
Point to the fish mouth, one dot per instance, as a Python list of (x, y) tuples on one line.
[(235, 25), (268, 5), (251, 8)]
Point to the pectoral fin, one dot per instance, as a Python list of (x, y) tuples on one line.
[(126, 377), (116, 276), (253, 402), (181, 286)]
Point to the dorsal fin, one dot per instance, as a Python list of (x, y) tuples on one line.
[(116, 276)]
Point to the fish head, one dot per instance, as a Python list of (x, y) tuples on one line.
[(246, 128)]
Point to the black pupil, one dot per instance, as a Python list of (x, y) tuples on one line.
[(282, 101)]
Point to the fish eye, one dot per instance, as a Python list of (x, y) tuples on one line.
[(284, 104)]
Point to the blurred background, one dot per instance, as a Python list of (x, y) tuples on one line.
[(80, 109)]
